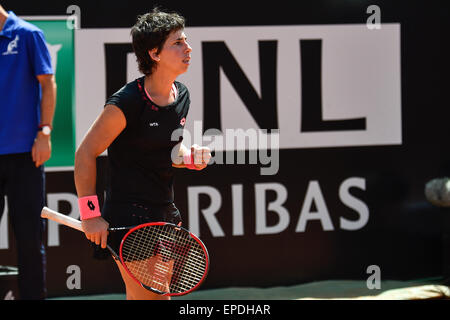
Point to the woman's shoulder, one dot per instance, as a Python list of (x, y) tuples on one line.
[(182, 88), (128, 92), (131, 89)]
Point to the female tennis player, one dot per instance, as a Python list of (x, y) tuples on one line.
[(136, 126)]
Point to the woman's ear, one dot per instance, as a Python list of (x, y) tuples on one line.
[(153, 54)]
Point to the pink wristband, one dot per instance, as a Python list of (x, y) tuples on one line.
[(89, 207), (188, 160)]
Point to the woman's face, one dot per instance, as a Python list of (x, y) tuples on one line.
[(175, 55)]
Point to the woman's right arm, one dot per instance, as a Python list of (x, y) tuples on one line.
[(109, 124)]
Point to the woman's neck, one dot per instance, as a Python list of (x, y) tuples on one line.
[(159, 87)]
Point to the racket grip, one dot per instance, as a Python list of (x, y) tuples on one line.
[(61, 218)]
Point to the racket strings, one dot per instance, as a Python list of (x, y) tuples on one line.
[(170, 253), (164, 258)]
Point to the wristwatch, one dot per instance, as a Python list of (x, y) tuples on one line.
[(45, 128)]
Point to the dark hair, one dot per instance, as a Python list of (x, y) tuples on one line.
[(151, 31)]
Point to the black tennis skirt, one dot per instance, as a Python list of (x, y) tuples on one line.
[(124, 214)]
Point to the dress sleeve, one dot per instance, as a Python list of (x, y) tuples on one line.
[(123, 100), (186, 101)]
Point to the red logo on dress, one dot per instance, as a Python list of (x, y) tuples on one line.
[(183, 121)]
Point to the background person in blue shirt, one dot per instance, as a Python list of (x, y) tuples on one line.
[(27, 105)]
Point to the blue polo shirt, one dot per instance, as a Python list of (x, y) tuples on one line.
[(23, 56)]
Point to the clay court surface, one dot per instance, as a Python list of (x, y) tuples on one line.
[(425, 289)]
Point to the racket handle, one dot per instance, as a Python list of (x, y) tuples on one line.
[(61, 218), (70, 222)]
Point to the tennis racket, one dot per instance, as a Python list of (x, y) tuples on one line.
[(161, 257)]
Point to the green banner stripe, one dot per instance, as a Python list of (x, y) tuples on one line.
[(61, 41)]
